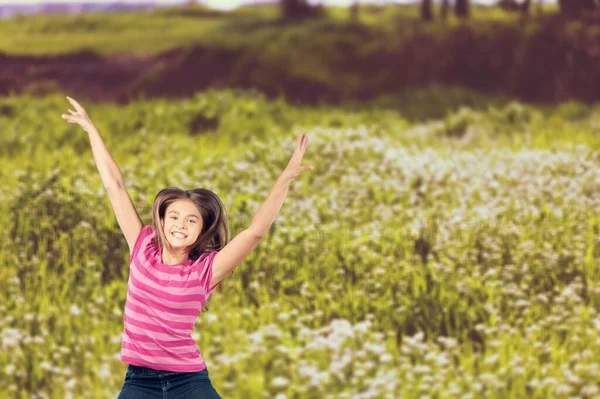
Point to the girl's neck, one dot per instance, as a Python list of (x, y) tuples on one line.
[(169, 258)]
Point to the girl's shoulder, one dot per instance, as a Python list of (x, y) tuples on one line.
[(145, 239)]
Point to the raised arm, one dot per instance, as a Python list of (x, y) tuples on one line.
[(112, 179), (234, 253)]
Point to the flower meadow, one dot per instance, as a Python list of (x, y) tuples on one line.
[(454, 256)]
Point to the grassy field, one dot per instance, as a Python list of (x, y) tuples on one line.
[(435, 250), (177, 27), (178, 51)]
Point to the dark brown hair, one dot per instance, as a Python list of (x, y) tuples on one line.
[(215, 230)]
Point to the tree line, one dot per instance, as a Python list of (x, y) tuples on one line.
[(299, 9)]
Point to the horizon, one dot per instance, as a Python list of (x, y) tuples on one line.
[(223, 4)]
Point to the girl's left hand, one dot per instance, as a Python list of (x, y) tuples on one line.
[(294, 168)]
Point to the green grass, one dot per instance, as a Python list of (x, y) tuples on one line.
[(434, 250), (181, 26)]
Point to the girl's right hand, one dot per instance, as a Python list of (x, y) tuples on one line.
[(79, 116)]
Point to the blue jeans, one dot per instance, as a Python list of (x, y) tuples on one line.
[(147, 383)]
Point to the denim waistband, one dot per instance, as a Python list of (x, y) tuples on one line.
[(150, 371)]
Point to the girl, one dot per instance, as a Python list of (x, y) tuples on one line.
[(175, 264)]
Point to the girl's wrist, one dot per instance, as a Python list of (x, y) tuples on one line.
[(89, 127), (284, 178)]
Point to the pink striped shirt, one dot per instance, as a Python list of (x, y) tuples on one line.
[(162, 303)]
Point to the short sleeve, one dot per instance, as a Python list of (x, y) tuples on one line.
[(144, 232), (205, 271)]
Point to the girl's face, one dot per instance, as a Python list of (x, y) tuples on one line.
[(182, 224)]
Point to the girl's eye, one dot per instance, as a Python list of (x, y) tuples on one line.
[(175, 217)]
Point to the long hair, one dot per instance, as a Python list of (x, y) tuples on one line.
[(215, 230)]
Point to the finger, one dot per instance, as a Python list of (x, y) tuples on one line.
[(73, 112), (302, 141), (300, 147), (78, 107)]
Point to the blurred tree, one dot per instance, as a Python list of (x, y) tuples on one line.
[(426, 10), (522, 6), (576, 7), (354, 9), (445, 8), (540, 7), (300, 9), (461, 9)]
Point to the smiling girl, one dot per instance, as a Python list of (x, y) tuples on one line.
[(175, 264)]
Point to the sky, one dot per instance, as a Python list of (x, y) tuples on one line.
[(218, 4)]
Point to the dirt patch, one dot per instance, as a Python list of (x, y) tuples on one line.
[(122, 78), (87, 75)]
